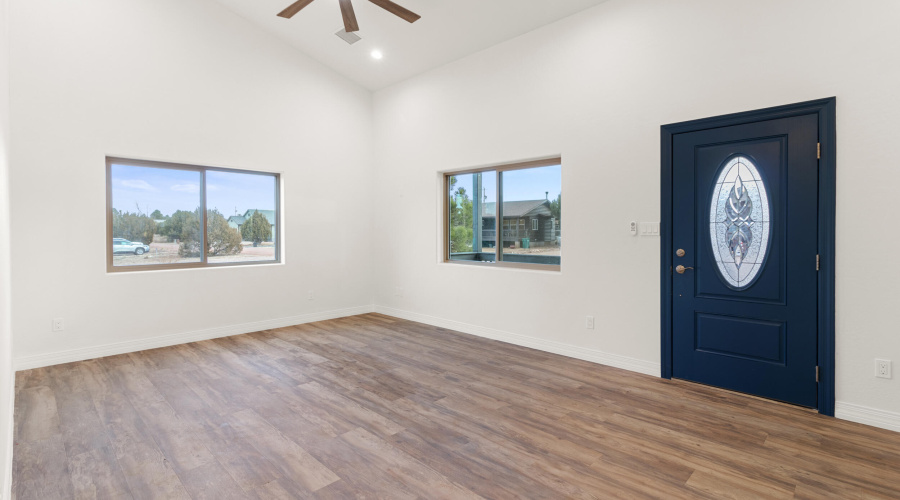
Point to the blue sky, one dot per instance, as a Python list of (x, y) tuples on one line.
[(169, 190), (529, 184)]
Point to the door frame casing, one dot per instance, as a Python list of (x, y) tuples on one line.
[(825, 109)]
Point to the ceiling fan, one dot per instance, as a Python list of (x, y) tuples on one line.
[(350, 24)]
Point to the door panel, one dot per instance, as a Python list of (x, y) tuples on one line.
[(740, 337), (745, 213)]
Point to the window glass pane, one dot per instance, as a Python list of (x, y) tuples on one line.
[(241, 218), (473, 216), (531, 203), (155, 215), (739, 223)]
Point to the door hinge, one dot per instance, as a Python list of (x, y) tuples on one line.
[(818, 150), (817, 374), (818, 262)]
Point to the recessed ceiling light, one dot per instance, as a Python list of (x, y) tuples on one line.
[(376, 54)]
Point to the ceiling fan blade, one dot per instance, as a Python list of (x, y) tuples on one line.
[(405, 14), (350, 24), (294, 8)]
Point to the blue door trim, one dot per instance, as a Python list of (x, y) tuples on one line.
[(825, 109)]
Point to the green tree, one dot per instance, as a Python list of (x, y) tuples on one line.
[(133, 227), (221, 239), (157, 215), (556, 210), (175, 225), (185, 226), (461, 208), (256, 229)]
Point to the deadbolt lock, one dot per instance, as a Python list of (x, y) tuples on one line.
[(680, 252)]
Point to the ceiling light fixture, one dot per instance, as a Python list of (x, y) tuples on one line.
[(376, 54), (349, 15)]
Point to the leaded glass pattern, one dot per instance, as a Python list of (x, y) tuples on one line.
[(739, 223)]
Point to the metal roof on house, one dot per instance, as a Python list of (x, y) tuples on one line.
[(269, 214), (240, 219), (518, 208)]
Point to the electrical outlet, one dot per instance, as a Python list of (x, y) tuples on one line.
[(883, 368), (589, 322), (59, 324), (311, 296)]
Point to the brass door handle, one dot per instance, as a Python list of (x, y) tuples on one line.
[(682, 269)]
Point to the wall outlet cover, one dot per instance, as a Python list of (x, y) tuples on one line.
[(883, 368)]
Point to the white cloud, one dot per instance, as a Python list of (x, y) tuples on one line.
[(212, 187), (138, 184), (186, 188)]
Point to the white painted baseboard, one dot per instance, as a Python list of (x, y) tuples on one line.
[(592, 355), (56, 358), (866, 415), (845, 411)]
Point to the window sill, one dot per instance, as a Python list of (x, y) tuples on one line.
[(159, 269), (513, 266)]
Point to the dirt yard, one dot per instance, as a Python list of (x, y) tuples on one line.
[(167, 253), (548, 250)]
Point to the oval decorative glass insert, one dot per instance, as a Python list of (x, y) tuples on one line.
[(739, 225)]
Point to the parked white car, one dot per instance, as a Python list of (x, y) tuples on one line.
[(121, 245)]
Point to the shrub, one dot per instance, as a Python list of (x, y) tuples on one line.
[(221, 238), (257, 229)]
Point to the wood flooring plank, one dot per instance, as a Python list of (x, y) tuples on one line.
[(179, 440), (451, 458), (236, 454), (413, 472), (211, 482), (42, 470), (96, 474), (28, 379), (148, 473), (294, 461), (284, 489), (724, 485), (377, 407), (352, 412), (293, 349), (36, 417), (134, 384)]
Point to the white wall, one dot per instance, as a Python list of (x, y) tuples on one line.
[(6, 369), (183, 81), (595, 88)]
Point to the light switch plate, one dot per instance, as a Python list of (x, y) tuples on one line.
[(649, 228)]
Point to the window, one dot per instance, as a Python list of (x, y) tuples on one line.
[(512, 194), (739, 223), (172, 216)]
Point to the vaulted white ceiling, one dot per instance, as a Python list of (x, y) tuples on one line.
[(448, 30)]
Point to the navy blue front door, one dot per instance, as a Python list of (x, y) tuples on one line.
[(745, 214)]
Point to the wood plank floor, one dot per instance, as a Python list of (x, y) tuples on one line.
[(375, 407)]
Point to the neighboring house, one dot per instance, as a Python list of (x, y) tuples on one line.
[(527, 219), (236, 221)]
